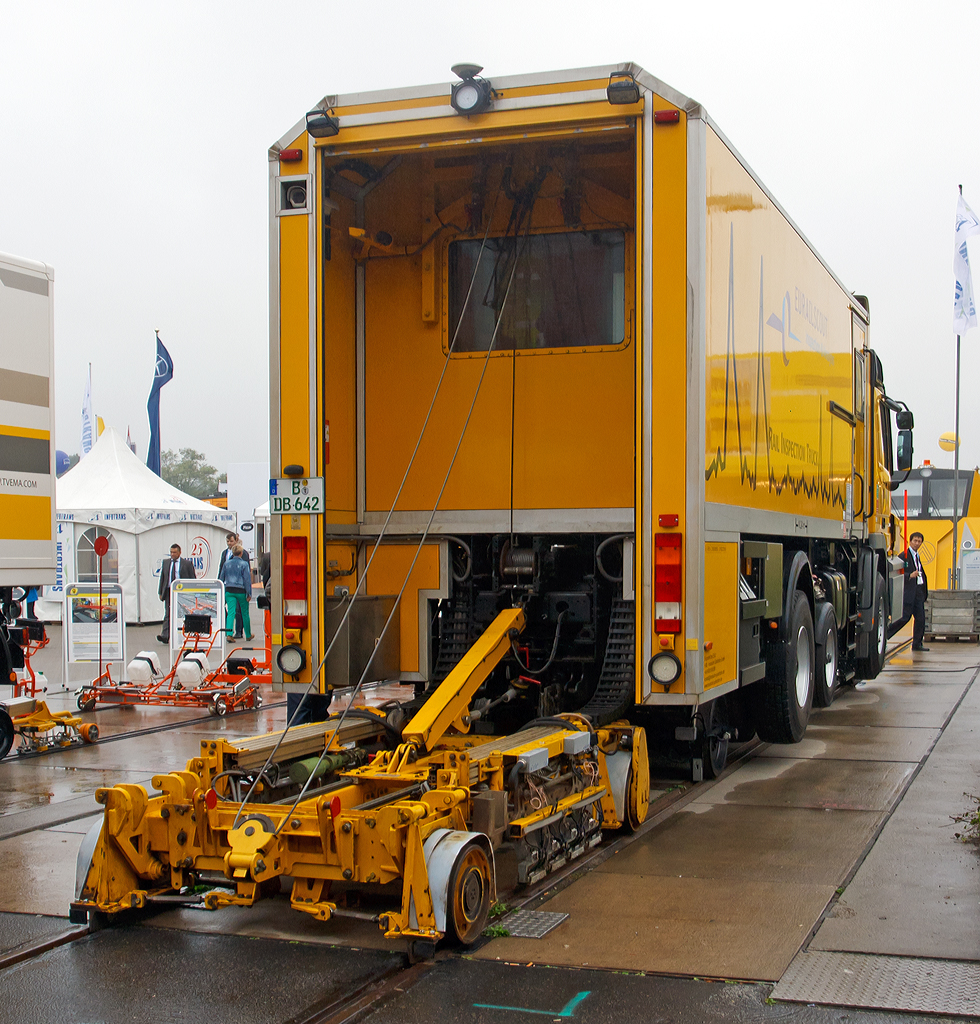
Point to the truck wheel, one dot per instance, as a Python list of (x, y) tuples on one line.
[(469, 896), (869, 667), (828, 660), (6, 733), (713, 740), (782, 701)]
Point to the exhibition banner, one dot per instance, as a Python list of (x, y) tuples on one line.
[(197, 597), (87, 613)]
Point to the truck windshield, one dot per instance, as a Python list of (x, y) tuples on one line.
[(567, 291), (931, 497)]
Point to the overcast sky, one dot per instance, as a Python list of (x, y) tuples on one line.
[(134, 139)]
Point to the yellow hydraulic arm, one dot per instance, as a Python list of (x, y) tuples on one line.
[(451, 701)]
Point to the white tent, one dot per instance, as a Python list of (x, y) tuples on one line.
[(111, 493)]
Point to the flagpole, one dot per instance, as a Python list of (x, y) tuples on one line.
[(956, 475), (956, 469)]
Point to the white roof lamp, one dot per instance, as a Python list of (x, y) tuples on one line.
[(471, 94)]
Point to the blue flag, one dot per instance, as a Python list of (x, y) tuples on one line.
[(163, 372)]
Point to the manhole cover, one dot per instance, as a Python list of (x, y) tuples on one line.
[(532, 924), (946, 987)]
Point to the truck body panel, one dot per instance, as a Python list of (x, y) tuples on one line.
[(689, 365), (27, 470)]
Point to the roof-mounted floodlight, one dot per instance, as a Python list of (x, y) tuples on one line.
[(471, 95), (622, 88), (321, 125)]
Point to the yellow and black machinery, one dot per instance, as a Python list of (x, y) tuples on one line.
[(357, 810), (576, 437)]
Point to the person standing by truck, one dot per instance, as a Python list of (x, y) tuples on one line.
[(916, 592), (237, 578), (231, 539), (173, 568)]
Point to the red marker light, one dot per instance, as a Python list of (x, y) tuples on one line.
[(290, 156), (666, 116), (211, 799)]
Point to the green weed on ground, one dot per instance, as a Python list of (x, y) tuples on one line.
[(970, 821)]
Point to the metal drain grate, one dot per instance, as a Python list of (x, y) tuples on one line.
[(532, 924), (944, 987)]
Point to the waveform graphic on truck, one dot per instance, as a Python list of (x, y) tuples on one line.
[(775, 441)]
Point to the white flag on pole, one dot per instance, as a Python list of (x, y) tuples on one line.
[(88, 420), (964, 309)]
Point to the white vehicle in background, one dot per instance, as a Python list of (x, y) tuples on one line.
[(27, 469)]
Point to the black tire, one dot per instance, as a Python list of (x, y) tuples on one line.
[(469, 897), (782, 701), (869, 667), (85, 702), (827, 667), (6, 733)]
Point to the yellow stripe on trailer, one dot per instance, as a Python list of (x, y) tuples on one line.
[(11, 431)]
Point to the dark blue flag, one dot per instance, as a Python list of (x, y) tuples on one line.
[(163, 372)]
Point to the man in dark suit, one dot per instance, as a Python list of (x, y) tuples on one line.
[(173, 568), (231, 539), (916, 592)]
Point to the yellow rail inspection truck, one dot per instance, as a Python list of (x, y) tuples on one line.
[(575, 435)]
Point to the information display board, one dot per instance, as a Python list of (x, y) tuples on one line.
[(292, 495), (197, 597), (85, 612)]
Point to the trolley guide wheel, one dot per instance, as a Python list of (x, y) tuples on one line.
[(468, 901), (89, 732), (85, 701)]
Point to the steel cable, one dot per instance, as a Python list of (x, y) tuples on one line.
[(363, 576)]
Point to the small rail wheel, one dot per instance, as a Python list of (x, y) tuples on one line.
[(468, 903), (220, 707), (89, 732), (85, 701), (827, 657), (6, 733)]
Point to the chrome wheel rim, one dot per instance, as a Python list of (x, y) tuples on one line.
[(830, 661), (802, 666)]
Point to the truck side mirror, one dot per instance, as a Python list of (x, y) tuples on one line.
[(903, 450), (904, 420)]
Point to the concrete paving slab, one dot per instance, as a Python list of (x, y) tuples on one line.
[(43, 865), (472, 992), (880, 702), (34, 783), (866, 743), (843, 785), (78, 827), (145, 976), (18, 931), (693, 926), (744, 843), (918, 891), (24, 822)]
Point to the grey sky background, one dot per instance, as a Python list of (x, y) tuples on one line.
[(134, 140)]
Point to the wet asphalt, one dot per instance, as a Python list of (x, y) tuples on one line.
[(161, 970)]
